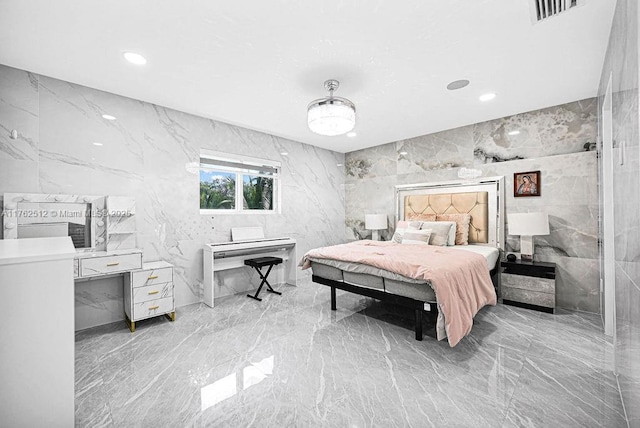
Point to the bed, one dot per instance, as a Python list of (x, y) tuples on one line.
[(365, 268)]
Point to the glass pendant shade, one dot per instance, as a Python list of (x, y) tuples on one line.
[(332, 115)]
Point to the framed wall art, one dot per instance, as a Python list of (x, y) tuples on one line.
[(526, 184)]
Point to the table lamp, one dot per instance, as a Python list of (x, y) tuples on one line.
[(375, 222), (527, 225)]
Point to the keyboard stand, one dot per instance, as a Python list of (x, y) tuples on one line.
[(218, 257), (258, 264)]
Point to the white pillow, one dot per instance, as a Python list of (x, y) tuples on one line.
[(397, 235), (420, 237), (442, 232)]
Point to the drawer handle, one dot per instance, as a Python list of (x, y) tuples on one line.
[(154, 292), (153, 277), (151, 308), (113, 264)]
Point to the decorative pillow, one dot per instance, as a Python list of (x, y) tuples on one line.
[(451, 239), (462, 226), (403, 226), (440, 231), (421, 217), (420, 237)]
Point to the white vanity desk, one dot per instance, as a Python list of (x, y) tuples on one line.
[(102, 230), (92, 264), (148, 287)]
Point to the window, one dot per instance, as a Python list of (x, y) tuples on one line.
[(233, 184)]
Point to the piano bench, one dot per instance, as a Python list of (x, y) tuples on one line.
[(263, 261), (258, 264)]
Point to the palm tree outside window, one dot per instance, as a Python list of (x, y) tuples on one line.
[(235, 184)]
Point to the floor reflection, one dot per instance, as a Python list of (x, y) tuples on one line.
[(230, 385)]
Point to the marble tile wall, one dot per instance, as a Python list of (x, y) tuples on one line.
[(151, 153), (621, 64), (551, 140)]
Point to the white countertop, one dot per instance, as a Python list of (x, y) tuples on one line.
[(156, 265), (89, 254), (25, 250)]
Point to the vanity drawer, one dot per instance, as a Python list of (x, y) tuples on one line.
[(110, 264), (152, 292), (152, 308), (151, 276)]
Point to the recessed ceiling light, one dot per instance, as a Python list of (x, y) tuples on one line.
[(457, 84), (516, 132), (487, 97), (338, 164), (284, 153), (97, 144), (351, 134), (403, 153), (108, 117), (134, 58)]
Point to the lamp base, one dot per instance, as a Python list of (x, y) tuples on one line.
[(375, 236), (526, 248)]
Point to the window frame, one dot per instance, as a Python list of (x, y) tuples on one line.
[(249, 163)]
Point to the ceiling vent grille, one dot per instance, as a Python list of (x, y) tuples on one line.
[(543, 9)]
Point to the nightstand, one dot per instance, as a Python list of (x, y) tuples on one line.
[(529, 285)]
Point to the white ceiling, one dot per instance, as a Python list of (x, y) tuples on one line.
[(258, 64)]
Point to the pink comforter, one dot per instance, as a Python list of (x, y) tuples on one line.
[(460, 280)]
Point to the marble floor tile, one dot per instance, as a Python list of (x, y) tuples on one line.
[(562, 337), (291, 361), (554, 393), (91, 403)]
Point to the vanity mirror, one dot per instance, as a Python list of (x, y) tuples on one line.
[(32, 215)]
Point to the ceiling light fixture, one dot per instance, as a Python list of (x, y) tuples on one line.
[(108, 117), (97, 144), (516, 132), (487, 97), (134, 58), (351, 134), (331, 115), (403, 153), (284, 153)]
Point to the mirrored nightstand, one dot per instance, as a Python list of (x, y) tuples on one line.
[(529, 285)]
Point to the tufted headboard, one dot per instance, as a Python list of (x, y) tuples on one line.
[(483, 199), (418, 207)]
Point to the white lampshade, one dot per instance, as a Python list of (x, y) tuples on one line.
[(375, 221), (528, 224)]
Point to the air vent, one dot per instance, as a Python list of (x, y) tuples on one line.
[(543, 9)]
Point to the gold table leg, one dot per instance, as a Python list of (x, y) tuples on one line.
[(171, 316), (130, 324)]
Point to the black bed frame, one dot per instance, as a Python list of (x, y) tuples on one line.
[(417, 305)]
